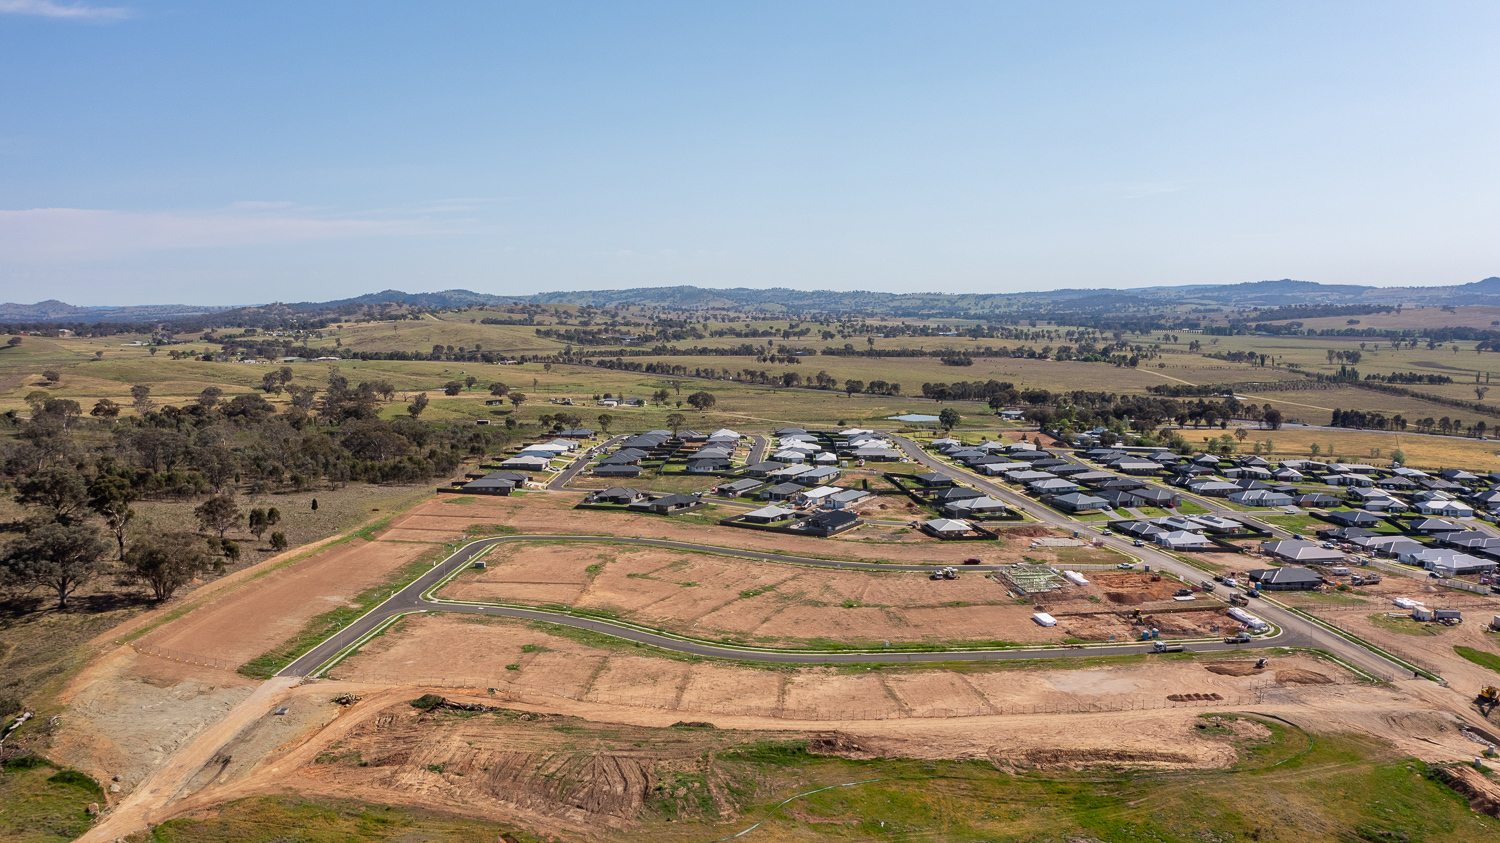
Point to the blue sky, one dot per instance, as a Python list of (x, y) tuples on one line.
[(226, 153)]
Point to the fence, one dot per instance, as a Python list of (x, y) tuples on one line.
[(184, 657), (1256, 694), (1423, 661)]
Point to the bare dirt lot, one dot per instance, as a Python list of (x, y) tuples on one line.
[(474, 652), (251, 619), (773, 603), (128, 713)]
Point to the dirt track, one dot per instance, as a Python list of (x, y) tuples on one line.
[(254, 618)]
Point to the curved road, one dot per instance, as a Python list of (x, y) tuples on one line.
[(410, 599)]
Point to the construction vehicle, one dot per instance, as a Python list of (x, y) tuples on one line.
[(1241, 637), (1155, 577), (1489, 697), (1365, 579), (1261, 665), (1164, 647), (1207, 585), (1238, 599)]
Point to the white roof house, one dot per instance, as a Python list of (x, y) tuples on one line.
[(789, 472), (1450, 509), (948, 526), (767, 514), (1183, 540)]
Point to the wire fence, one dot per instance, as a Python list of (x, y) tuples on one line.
[(1329, 615), (184, 657), (1255, 694)]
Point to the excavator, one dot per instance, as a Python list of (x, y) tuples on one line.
[(1489, 697)]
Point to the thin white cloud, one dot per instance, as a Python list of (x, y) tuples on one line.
[(73, 11), (52, 235)]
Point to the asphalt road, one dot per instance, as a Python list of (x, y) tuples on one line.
[(562, 480), (409, 599)]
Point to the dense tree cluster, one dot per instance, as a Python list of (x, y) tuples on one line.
[(78, 475)]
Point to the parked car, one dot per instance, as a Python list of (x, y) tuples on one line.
[(1126, 566), (973, 560), (1138, 543)]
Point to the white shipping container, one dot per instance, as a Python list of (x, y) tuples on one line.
[(1075, 578), (1246, 618), (1406, 602), (1044, 619)]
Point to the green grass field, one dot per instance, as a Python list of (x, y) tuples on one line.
[(1354, 788)]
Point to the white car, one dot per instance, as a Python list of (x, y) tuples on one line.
[(1126, 566)]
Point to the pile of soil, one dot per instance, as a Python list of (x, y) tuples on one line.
[(1074, 759), (1298, 676), (1233, 668), (841, 744)]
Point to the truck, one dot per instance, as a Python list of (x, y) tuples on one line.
[(1238, 599), (1164, 647), (1371, 578), (1238, 638), (1208, 585)]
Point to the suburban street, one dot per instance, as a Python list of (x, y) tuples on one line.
[(1291, 623)]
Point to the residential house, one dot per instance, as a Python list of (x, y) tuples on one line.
[(1286, 579), (739, 487), (621, 495), (1054, 486), (947, 527), (781, 492), (1445, 509), (975, 507), (666, 504), (1078, 502), (1301, 551), (768, 514), (1183, 540), (1261, 497), (829, 522), (848, 499), (1354, 518), (527, 462), (603, 470)]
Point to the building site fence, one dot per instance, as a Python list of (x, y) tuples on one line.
[(1332, 617), (1254, 695), (184, 657)]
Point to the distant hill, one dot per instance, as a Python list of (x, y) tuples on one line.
[(774, 300), (53, 310)]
